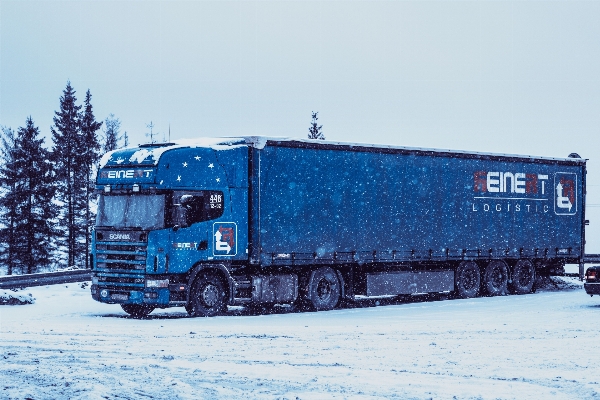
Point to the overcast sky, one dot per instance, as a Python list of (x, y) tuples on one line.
[(495, 76)]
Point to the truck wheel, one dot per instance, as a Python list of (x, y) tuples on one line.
[(467, 280), (495, 278), (208, 296), (324, 290), (137, 310), (523, 277)]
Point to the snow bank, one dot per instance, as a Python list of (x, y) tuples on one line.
[(532, 346), (15, 298)]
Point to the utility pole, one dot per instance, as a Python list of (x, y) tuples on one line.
[(150, 126)]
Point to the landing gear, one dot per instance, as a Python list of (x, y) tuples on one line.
[(137, 310), (208, 296)]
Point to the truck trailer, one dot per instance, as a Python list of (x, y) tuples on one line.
[(212, 222)]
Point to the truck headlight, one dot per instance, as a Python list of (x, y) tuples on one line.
[(94, 280), (157, 283)]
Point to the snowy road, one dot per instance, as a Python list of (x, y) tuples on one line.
[(543, 345)]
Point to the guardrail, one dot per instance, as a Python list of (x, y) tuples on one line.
[(591, 259), (53, 278), (50, 278)]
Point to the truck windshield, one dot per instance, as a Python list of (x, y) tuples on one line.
[(131, 211)]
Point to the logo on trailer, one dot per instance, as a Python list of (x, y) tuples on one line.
[(565, 199), (225, 235), (510, 182), (522, 191)]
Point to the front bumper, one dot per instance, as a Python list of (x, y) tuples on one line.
[(592, 288), (156, 297)]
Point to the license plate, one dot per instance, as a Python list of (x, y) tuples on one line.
[(118, 296)]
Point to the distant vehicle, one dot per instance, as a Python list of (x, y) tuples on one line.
[(592, 280), (214, 222)]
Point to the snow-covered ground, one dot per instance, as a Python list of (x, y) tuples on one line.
[(538, 346)]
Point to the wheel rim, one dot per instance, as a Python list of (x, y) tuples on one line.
[(210, 295), (524, 275), (469, 280), (324, 289), (497, 278)]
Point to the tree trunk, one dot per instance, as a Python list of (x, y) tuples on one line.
[(30, 230), (87, 220)]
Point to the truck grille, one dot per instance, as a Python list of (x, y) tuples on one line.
[(120, 267), (120, 282), (117, 257)]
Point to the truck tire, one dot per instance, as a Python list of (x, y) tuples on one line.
[(208, 296), (467, 280), (137, 310), (495, 278), (324, 289), (523, 277)]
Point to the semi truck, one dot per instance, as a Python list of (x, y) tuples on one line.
[(214, 222)]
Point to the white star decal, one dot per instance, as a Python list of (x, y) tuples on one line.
[(178, 178), (211, 165), (218, 179), (197, 158), (185, 164)]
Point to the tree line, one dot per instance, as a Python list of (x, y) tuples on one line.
[(47, 200), (47, 195)]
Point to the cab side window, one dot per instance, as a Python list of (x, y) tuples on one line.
[(198, 206)]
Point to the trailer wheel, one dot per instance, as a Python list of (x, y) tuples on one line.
[(324, 289), (523, 277), (137, 310), (207, 298), (495, 278), (467, 280)]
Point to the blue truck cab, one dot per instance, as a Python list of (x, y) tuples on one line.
[(212, 222), (163, 210)]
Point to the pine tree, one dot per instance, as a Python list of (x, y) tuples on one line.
[(89, 155), (112, 136), (37, 211), (67, 142), (9, 180), (30, 197), (315, 131)]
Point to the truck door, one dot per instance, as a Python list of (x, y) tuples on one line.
[(190, 236)]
